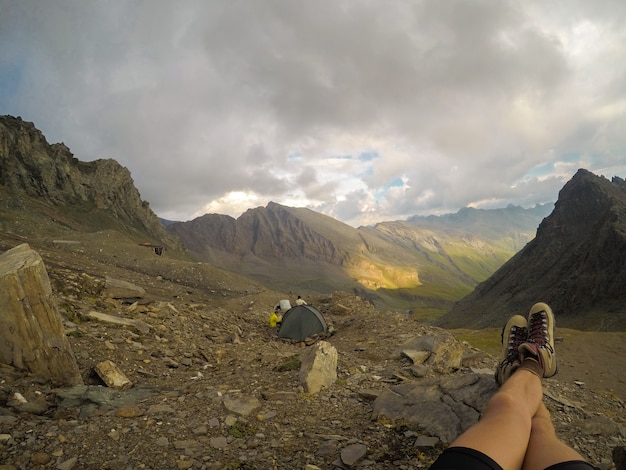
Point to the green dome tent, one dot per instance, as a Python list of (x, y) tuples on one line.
[(302, 321)]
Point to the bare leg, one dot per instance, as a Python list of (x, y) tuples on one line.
[(544, 448), (504, 431)]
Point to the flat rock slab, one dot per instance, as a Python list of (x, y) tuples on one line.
[(242, 406), (443, 408), (118, 289), (141, 326), (90, 398)]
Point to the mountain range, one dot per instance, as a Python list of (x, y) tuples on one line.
[(428, 265), (420, 264)]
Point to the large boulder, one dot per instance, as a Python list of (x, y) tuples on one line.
[(31, 330), (443, 407), (318, 367)]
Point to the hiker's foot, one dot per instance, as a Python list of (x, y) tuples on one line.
[(514, 334), (539, 345)]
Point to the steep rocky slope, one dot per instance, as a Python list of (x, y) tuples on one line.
[(44, 189), (576, 263)]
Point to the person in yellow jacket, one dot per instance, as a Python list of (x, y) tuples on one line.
[(275, 320)]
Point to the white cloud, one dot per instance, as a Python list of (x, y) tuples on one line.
[(222, 106)]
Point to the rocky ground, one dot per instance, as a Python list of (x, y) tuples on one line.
[(214, 387)]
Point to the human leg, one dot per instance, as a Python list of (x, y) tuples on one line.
[(544, 447), (516, 428), (504, 429)]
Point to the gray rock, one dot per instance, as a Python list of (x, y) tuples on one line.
[(426, 441), (419, 370), (416, 356), (442, 408), (353, 454), (68, 464), (599, 426), (445, 353), (242, 406), (219, 442), (118, 289), (90, 398), (327, 448), (141, 326)]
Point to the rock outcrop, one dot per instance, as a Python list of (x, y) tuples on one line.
[(36, 175), (439, 407), (31, 332)]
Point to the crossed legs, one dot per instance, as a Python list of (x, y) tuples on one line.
[(516, 431)]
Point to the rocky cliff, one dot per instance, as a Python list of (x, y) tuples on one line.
[(576, 263), (58, 191)]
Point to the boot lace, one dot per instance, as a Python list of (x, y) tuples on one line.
[(516, 337), (538, 331)]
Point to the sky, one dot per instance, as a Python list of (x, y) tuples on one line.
[(363, 110)]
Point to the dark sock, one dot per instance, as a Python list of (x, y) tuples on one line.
[(532, 365)]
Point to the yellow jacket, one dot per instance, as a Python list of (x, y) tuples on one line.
[(274, 319)]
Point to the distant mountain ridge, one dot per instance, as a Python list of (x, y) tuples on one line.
[(399, 264), (576, 263)]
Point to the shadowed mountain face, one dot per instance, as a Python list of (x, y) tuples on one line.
[(576, 263)]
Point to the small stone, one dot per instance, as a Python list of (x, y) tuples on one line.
[(40, 458), (200, 431), (69, 464), (129, 412), (352, 454), (426, 442), (219, 442)]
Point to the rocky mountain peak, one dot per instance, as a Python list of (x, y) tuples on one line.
[(576, 263), (92, 195)]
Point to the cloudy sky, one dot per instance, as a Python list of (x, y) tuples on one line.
[(363, 110)]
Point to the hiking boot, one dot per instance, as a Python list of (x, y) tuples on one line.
[(540, 342), (514, 334)]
